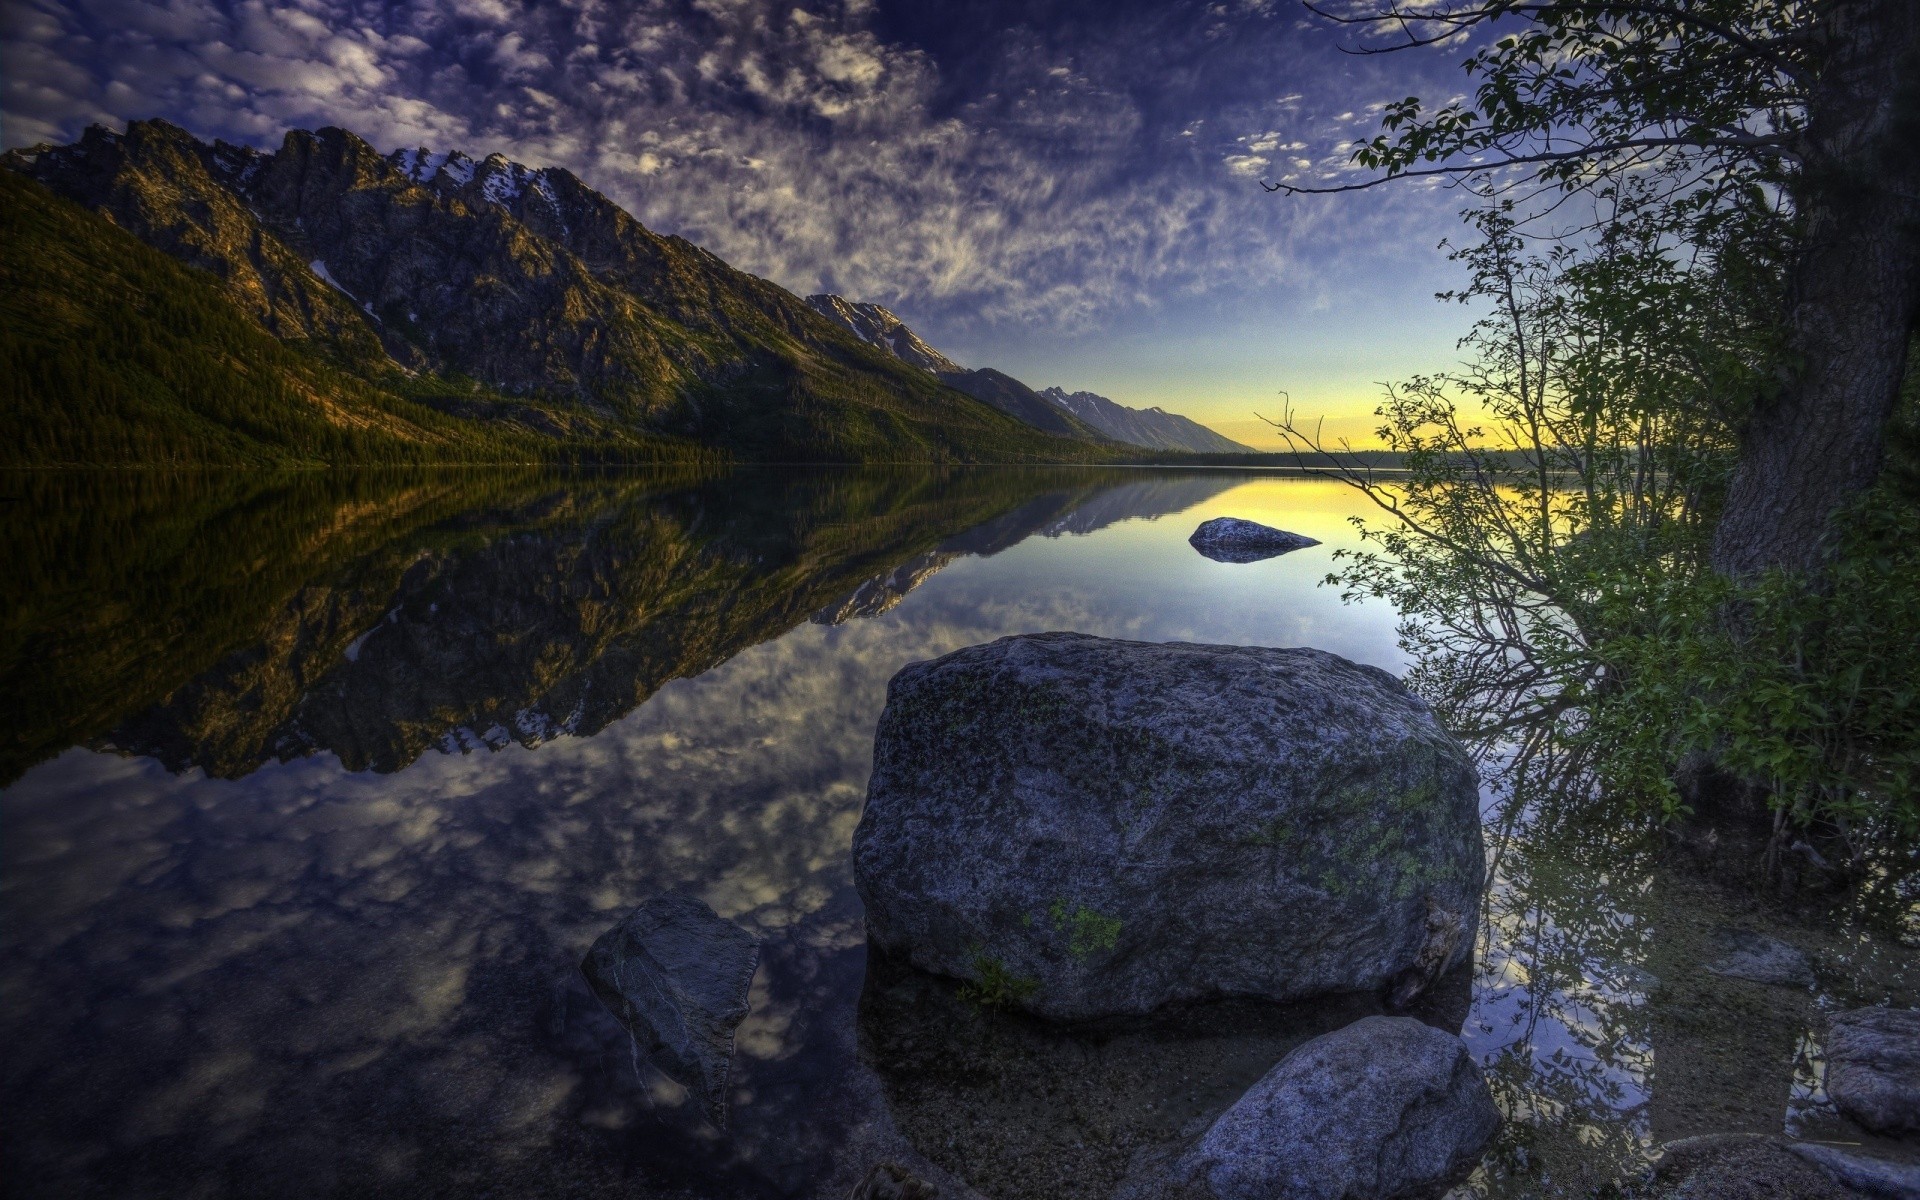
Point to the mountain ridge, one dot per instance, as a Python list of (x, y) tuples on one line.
[(490, 288), (878, 326), (1071, 414), (1153, 427)]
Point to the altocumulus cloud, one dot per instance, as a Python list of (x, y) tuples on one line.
[(981, 163)]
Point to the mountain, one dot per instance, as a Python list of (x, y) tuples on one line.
[(878, 327), (1076, 414), (115, 353), (515, 301), (1018, 400), (1152, 427)]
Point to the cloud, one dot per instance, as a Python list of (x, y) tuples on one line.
[(1043, 166)]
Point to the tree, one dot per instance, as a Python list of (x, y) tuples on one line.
[(1809, 109)]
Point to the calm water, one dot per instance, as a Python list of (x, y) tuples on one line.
[(317, 790)]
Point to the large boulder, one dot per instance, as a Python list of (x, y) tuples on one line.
[(677, 975), (1384, 1107), (1085, 828), (1873, 1067), (1236, 540)]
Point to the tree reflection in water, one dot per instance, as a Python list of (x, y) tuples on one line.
[(1603, 1032)]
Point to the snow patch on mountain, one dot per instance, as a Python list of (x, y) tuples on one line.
[(874, 325), (319, 267)]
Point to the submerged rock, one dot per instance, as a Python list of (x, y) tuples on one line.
[(1021, 1107), (677, 975), (1733, 1166), (890, 1181), (1085, 828), (1873, 1067), (1233, 540), (1384, 1107), (1761, 959), (1867, 1174)]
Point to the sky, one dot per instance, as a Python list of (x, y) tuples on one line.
[(1067, 190)]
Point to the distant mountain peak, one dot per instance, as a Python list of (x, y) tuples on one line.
[(875, 325), (1155, 427), (496, 178)]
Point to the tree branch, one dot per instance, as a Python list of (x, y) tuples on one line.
[(1757, 143)]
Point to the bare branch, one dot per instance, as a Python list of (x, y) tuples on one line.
[(1765, 144)]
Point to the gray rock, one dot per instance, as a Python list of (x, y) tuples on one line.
[(1864, 1173), (1384, 1107), (1873, 1067), (1761, 959), (1087, 828), (1233, 540), (890, 1181), (1732, 1166), (677, 976)]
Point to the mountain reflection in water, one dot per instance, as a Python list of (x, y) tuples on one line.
[(319, 787)]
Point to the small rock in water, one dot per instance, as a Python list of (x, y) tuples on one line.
[(1233, 540), (1384, 1107), (1085, 828), (677, 976), (1865, 1173), (1761, 959), (1873, 1067)]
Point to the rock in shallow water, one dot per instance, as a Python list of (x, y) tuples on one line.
[(1087, 828), (1863, 1173), (677, 976), (889, 1181), (1233, 540), (1873, 1067), (1761, 959), (1732, 1166), (1384, 1107)]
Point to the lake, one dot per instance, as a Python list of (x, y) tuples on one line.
[(317, 788)]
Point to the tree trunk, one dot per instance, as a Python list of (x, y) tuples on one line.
[(1819, 441)]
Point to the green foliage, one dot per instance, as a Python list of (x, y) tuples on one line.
[(1088, 932), (993, 985), (1707, 98), (1547, 546), (1814, 693), (1572, 461)]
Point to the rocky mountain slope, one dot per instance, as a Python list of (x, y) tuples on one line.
[(1076, 414), (877, 326), (493, 281), (1018, 400), (1153, 427), (115, 353)]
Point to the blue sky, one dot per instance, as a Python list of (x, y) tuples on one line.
[(1066, 190)]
